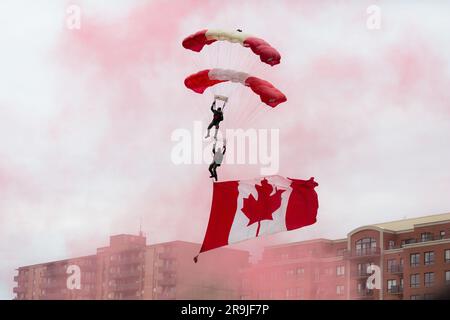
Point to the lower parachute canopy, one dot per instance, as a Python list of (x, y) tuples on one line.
[(202, 80)]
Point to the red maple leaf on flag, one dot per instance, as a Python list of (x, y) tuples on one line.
[(264, 207)]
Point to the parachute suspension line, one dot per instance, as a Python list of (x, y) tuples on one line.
[(255, 114), (247, 62)]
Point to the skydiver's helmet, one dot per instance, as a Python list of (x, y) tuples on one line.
[(219, 109)]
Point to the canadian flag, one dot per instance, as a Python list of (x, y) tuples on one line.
[(245, 209)]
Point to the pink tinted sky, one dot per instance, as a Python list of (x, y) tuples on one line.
[(86, 118)]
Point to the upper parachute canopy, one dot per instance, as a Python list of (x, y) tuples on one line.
[(265, 51), (202, 80)]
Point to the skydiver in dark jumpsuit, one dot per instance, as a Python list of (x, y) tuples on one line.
[(217, 118)]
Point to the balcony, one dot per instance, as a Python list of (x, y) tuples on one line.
[(395, 290), (54, 284), (418, 240), (132, 286), (361, 274), (364, 294), (427, 238), (125, 261), (166, 296), (55, 272), (361, 253), (167, 282), (166, 268), (395, 269), (127, 274), (166, 256), (19, 289)]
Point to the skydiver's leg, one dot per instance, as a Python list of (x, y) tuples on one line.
[(211, 169), (215, 171), (209, 129), (217, 130)]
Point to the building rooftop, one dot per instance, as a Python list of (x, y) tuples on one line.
[(408, 224), (312, 241)]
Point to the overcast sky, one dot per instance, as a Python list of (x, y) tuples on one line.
[(86, 117)]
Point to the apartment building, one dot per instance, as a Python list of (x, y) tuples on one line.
[(304, 270), (130, 269), (413, 255), (405, 259)]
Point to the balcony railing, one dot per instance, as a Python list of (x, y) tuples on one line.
[(167, 282), (126, 274), (132, 286), (166, 268), (55, 272), (19, 289), (133, 260), (166, 256), (395, 290), (364, 252), (361, 274), (396, 268), (54, 284), (166, 295), (418, 240), (364, 294)]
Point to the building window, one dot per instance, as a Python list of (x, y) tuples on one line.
[(290, 293), (415, 259), (390, 264), (428, 296), (362, 268), (365, 246), (416, 297), (340, 252), (447, 277), (426, 236), (429, 279), (392, 285), (442, 234), (391, 244), (300, 271), (360, 287), (415, 280), (340, 270), (401, 283), (340, 290), (316, 274), (284, 256), (429, 258), (290, 272), (447, 255)]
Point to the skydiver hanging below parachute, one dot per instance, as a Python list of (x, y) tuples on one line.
[(218, 115), (204, 79), (217, 160)]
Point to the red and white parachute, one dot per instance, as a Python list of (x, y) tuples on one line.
[(202, 80), (260, 47), (227, 70)]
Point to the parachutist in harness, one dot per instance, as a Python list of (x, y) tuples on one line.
[(217, 160), (217, 117)]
